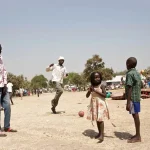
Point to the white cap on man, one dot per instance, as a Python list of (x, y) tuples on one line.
[(61, 58)]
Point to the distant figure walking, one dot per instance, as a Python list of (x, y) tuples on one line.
[(38, 92), (21, 92)]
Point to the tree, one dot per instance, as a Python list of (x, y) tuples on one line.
[(84, 82), (76, 79), (146, 73), (27, 84), (20, 80), (17, 81), (39, 81), (107, 73), (66, 81), (73, 78), (96, 64), (51, 84)]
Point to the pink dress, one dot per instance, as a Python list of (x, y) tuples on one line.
[(97, 109)]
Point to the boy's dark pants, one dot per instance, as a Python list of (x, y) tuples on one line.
[(59, 91), (38, 94)]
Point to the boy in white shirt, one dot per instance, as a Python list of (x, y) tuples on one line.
[(9, 88)]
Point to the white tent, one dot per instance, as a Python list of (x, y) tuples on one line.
[(116, 79)]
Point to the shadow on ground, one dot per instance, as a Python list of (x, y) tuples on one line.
[(123, 135), (91, 133), (58, 112)]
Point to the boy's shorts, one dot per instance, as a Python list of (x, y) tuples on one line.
[(135, 107)]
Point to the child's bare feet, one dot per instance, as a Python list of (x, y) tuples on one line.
[(97, 136), (134, 139), (53, 110), (101, 138)]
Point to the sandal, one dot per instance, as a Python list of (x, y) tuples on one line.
[(10, 130)]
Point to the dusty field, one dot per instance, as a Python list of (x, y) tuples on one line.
[(38, 129)]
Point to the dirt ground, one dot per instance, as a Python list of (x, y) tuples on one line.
[(39, 129)]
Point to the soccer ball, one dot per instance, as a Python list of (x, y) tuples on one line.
[(81, 113)]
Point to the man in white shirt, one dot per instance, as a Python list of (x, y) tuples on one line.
[(9, 89), (58, 73)]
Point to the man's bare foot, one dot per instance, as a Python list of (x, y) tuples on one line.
[(134, 139)]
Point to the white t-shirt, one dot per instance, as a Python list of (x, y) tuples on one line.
[(21, 90), (9, 86), (58, 73)]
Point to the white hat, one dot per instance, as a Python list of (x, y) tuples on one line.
[(61, 58)]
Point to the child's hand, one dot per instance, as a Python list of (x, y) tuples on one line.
[(128, 107), (96, 90), (89, 92), (91, 88)]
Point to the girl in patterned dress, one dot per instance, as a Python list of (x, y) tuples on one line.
[(98, 108)]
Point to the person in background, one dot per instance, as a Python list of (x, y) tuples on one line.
[(38, 92), (149, 83), (21, 92), (9, 88)]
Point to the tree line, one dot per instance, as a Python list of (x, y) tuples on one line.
[(79, 79)]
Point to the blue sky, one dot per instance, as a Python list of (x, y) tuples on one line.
[(35, 33)]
